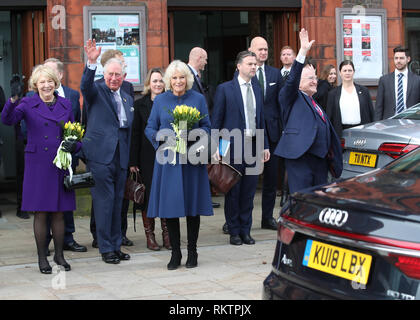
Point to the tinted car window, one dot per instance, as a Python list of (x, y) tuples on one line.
[(411, 113), (408, 164)]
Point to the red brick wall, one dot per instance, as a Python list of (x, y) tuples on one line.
[(318, 16), (67, 45)]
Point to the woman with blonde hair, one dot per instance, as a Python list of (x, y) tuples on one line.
[(180, 189), (43, 183), (142, 153)]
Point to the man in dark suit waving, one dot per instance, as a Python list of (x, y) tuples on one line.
[(270, 81), (238, 108), (106, 148), (397, 90), (309, 143)]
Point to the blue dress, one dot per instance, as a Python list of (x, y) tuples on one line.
[(178, 190)]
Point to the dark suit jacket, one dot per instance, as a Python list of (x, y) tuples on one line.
[(300, 124), (126, 86), (204, 90), (334, 112), (386, 100), (274, 82), (102, 135), (321, 95), (229, 111)]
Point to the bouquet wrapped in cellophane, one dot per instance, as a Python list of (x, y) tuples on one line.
[(185, 118), (72, 131)]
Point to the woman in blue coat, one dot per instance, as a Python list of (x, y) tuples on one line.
[(43, 183), (178, 190)]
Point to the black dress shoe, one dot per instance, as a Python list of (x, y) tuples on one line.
[(235, 240), (64, 264), (110, 257), (247, 239), (44, 267), (122, 256), (126, 242), (225, 228), (215, 204), (269, 224), (22, 214), (74, 246), (95, 243)]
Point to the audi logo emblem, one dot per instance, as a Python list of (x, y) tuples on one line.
[(359, 142), (333, 217)]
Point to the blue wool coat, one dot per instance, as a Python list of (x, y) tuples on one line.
[(43, 188), (182, 189)]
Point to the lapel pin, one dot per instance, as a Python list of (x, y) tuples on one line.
[(125, 100)]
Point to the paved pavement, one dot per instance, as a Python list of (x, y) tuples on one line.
[(224, 272)]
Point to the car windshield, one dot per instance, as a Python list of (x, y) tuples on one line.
[(412, 113), (407, 164)]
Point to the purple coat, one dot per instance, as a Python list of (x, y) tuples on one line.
[(43, 188)]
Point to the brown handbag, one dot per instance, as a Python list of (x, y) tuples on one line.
[(223, 176), (134, 188), (134, 191)]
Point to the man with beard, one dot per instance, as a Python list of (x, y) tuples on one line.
[(397, 90)]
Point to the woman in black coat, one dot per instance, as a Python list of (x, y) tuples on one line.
[(142, 153), (327, 81), (349, 104)]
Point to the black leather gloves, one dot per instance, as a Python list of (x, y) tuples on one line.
[(16, 86), (69, 145)]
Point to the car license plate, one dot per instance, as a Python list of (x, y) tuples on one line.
[(363, 159), (347, 264)]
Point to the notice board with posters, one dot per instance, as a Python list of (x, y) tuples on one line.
[(362, 38), (120, 28)]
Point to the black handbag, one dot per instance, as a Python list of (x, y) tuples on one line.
[(83, 180)]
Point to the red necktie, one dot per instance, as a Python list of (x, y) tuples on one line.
[(318, 109)]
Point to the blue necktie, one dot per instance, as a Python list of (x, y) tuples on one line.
[(400, 94)]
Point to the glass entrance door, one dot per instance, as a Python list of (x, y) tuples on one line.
[(7, 149)]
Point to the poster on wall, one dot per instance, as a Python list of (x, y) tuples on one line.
[(363, 45), (120, 32), (361, 38), (121, 29)]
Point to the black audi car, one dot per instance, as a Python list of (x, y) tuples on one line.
[(353, 239)]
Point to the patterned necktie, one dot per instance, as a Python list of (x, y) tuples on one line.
[(261, 79), (400, 94), (120, 109), (250, 108), (285, 75), (318, 109)]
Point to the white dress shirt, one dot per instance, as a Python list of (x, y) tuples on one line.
[(349, 107)]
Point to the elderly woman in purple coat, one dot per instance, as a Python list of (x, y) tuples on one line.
[(180, 190), (43, 188)]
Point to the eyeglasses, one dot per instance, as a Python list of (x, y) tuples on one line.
[(311, 78)]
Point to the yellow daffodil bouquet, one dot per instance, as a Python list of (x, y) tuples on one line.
[(72, 131), (185, 118)]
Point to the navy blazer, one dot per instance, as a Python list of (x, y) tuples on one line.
[(228, 112), (102, 135), (274, 82), (300, 124)]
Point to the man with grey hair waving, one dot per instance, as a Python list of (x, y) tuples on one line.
[(106, 148)]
